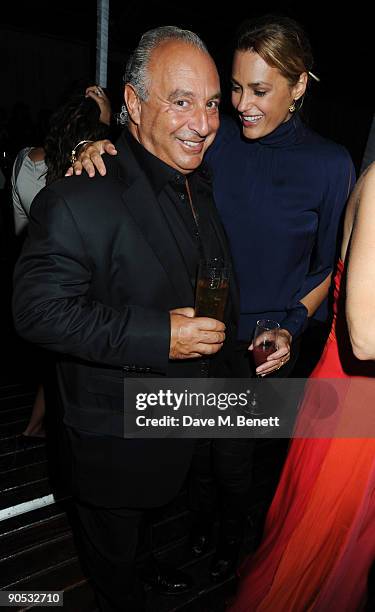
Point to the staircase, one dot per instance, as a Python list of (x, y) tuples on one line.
[(37, 550)]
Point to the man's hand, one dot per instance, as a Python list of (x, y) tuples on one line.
[(194, 336), (90, 157), (280, 357)]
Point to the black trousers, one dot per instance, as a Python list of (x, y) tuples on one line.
[(221, 480), (221, 470), (107, 540), (220, 476)]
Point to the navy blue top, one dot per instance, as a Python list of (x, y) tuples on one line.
[(280, 198)]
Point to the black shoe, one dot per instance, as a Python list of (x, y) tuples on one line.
[(225, 560), (24, 441), (169, 581), (199, 542)]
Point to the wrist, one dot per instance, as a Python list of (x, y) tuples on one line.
[(296, 320), (77, 150), (105, 117)]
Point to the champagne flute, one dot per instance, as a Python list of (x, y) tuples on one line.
[(212, 289)]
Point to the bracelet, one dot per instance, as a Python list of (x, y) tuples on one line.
[(73, 157)]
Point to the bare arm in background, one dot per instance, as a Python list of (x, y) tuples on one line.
[(360, 302)]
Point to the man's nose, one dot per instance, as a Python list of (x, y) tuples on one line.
[(199, 121)]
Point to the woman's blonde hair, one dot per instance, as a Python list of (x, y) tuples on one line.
[(281, 42)]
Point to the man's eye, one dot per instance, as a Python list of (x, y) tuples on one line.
[(260, 94), (213, 104), (182, 103)]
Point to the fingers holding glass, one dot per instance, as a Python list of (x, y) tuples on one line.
[(265, 345)]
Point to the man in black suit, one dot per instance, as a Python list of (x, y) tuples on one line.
[(107, 280)]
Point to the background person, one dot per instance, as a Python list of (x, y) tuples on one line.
[(83, 116)]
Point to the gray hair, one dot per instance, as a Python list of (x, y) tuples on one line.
[(136, 72)]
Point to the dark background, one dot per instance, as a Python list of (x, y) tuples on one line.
[(45, 46)]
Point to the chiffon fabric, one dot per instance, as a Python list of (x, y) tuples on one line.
[(319, 538)]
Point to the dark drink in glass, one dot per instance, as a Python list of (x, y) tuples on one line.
[(264, 344), (261, 351), (265, 340)]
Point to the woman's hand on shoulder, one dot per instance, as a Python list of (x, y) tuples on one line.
[(90, 158)]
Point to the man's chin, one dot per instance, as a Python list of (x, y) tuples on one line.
[(191, 163)]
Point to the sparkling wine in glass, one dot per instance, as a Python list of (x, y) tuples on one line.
[(212, 289)]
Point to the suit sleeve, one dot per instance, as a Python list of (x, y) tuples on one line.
[(52, 305)]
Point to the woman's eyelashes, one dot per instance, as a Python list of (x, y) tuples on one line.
[(257, 92)]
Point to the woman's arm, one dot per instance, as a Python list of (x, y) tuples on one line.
[(97, 93), (340, 177), (360, 300)]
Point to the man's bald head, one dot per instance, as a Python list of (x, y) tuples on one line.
[(137, 67)]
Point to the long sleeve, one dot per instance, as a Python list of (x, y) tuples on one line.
[(340, 185), (53, 305), (340, 182)]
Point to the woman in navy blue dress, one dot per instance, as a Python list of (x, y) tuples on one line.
[(280, 189)]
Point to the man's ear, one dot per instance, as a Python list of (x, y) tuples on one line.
[(133, 103)]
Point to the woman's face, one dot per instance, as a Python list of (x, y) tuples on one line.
[(261, 95)]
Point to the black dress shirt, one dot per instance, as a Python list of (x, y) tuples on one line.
[(192, 226), (191, 223)]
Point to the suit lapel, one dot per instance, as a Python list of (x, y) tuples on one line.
[(143, 206)]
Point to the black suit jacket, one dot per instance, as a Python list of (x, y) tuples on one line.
[(98, 274)]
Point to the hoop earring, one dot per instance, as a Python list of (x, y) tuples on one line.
[(292, 107), (301, 101)]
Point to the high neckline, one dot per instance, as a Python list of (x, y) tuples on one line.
[(285, 134)]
